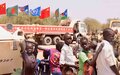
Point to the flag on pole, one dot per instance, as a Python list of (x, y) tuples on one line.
[(24, 9), (35, 12), (64, 14), (57, 12), (3, 8), (12, 11), (45, 13)]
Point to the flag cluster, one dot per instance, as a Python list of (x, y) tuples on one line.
[(44, 13)]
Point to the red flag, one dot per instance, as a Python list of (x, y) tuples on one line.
[(45, 13), (3, 9)]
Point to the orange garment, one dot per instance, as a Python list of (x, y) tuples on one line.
[(88, 70)]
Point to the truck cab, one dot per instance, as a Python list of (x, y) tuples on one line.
[(115, 25), (82, 27)]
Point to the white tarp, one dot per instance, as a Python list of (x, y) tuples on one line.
[(18, 37), (4, 34), (16, 32)]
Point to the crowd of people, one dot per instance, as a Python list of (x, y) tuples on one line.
[(88, 56)]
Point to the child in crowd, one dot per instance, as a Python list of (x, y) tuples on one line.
[(54, 59), (85, 57), (29, 60), (67, 58), (44, 67), (53, 55)]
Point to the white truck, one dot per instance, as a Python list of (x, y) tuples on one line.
[(50, 34), (115, 25)]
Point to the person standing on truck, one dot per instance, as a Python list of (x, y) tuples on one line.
[(75, 27), (76, 30)]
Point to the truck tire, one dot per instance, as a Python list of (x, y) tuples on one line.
[(56, 39), (47, 40)]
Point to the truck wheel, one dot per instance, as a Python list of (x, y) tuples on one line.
[(47, 40), (56, 39)]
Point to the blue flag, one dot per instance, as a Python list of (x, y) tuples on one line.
[(36, 11), (25, 9)]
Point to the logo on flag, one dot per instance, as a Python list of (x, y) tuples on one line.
[(35, 12)]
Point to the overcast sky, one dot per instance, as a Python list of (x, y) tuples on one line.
[(100, 10)]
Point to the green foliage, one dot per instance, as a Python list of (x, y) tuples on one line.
[(23, 18), (3, 19), (105, 26)]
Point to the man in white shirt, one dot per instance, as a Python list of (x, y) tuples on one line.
[(106, 61), (66, 57)]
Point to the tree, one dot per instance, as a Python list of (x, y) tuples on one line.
[(23, 18), (92, 24), (105, 26)]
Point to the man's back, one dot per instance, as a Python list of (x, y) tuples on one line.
[(105, 59)]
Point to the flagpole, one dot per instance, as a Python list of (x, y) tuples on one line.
[(56, 19), (17, 14), (17, 18), (57, 14), (29, 18), (29, 14)]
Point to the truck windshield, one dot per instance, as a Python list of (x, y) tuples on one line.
[(115, 24), (83, 27)]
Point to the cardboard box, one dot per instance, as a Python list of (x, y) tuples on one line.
[(10, 59)]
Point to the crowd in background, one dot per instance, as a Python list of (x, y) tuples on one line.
[(93, 54)]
